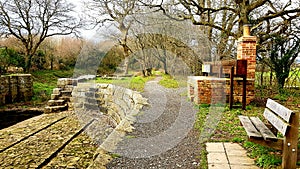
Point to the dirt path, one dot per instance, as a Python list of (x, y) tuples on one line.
[(164, 136)]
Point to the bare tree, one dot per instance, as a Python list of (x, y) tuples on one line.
[(224, 20), (118, 14), (32, 21), (283, 53), (167, 40)]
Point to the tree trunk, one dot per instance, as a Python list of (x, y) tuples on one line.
[(126, 65), (281, 76), (262, 75), (271, 77), (165, 67), (28, 58), (51, 65)]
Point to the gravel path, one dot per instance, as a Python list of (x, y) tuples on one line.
[(164, 136)]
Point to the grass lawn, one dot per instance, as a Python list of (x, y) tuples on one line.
[(45, 81), (135, 83), (229, 129)]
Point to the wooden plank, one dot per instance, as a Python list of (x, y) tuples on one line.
[(279, 124), (279, 109), (244, 93), (249, 127), (290, 147), (231, 88), (263, 129)]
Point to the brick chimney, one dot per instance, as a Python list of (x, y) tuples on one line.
[(247, 51)]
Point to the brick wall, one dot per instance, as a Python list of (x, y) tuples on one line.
[(211, 90)]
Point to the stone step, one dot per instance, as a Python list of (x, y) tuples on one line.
[(88, 106), (68, 88), (90, 94), (66, 93), (56, 102), (65, 98), (54, 109), (55, 96), (56, 91), (62, 82)]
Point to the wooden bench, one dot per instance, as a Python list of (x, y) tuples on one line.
[(283, 120)]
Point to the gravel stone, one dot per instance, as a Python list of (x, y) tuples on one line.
[(164, 136)]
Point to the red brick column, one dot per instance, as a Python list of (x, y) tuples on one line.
[(246, 50)]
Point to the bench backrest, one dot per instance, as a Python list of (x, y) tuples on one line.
[(278, 115)]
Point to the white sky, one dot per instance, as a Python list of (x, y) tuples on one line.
[(87, 34)]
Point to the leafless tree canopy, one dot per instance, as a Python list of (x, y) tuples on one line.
[(32, 21), (223, 20)]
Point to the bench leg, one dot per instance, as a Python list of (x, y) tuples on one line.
[(289, 155)]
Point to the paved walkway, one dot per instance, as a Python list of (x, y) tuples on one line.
[(228, 156)]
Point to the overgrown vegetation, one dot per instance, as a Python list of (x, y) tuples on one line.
[(168, 82), (135, 83), (44, 82)]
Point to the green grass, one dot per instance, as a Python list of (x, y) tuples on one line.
[(135, 83), (229, 129), (45, 81), (292, 80), (42, 91), (199, 125), (265, 157), (168, 82), (50, 76), (120, 82)]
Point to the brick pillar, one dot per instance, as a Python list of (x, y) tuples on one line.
[(246, 50)]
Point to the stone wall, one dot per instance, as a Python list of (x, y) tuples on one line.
[(116, 102), (15, 88), (61, 95)]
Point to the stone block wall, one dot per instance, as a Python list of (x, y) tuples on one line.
[(116, 102), (15, 88), (61, 96)]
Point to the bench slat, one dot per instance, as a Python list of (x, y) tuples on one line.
[(277, 108), (279, 124), (263, 129), (249, 127)]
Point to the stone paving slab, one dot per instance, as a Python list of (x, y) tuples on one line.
[(18, 131), (32, 151), (40, 146), (217, 158), (228, 156), (219, 166)]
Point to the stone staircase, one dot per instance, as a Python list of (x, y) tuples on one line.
[(61, 96)]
